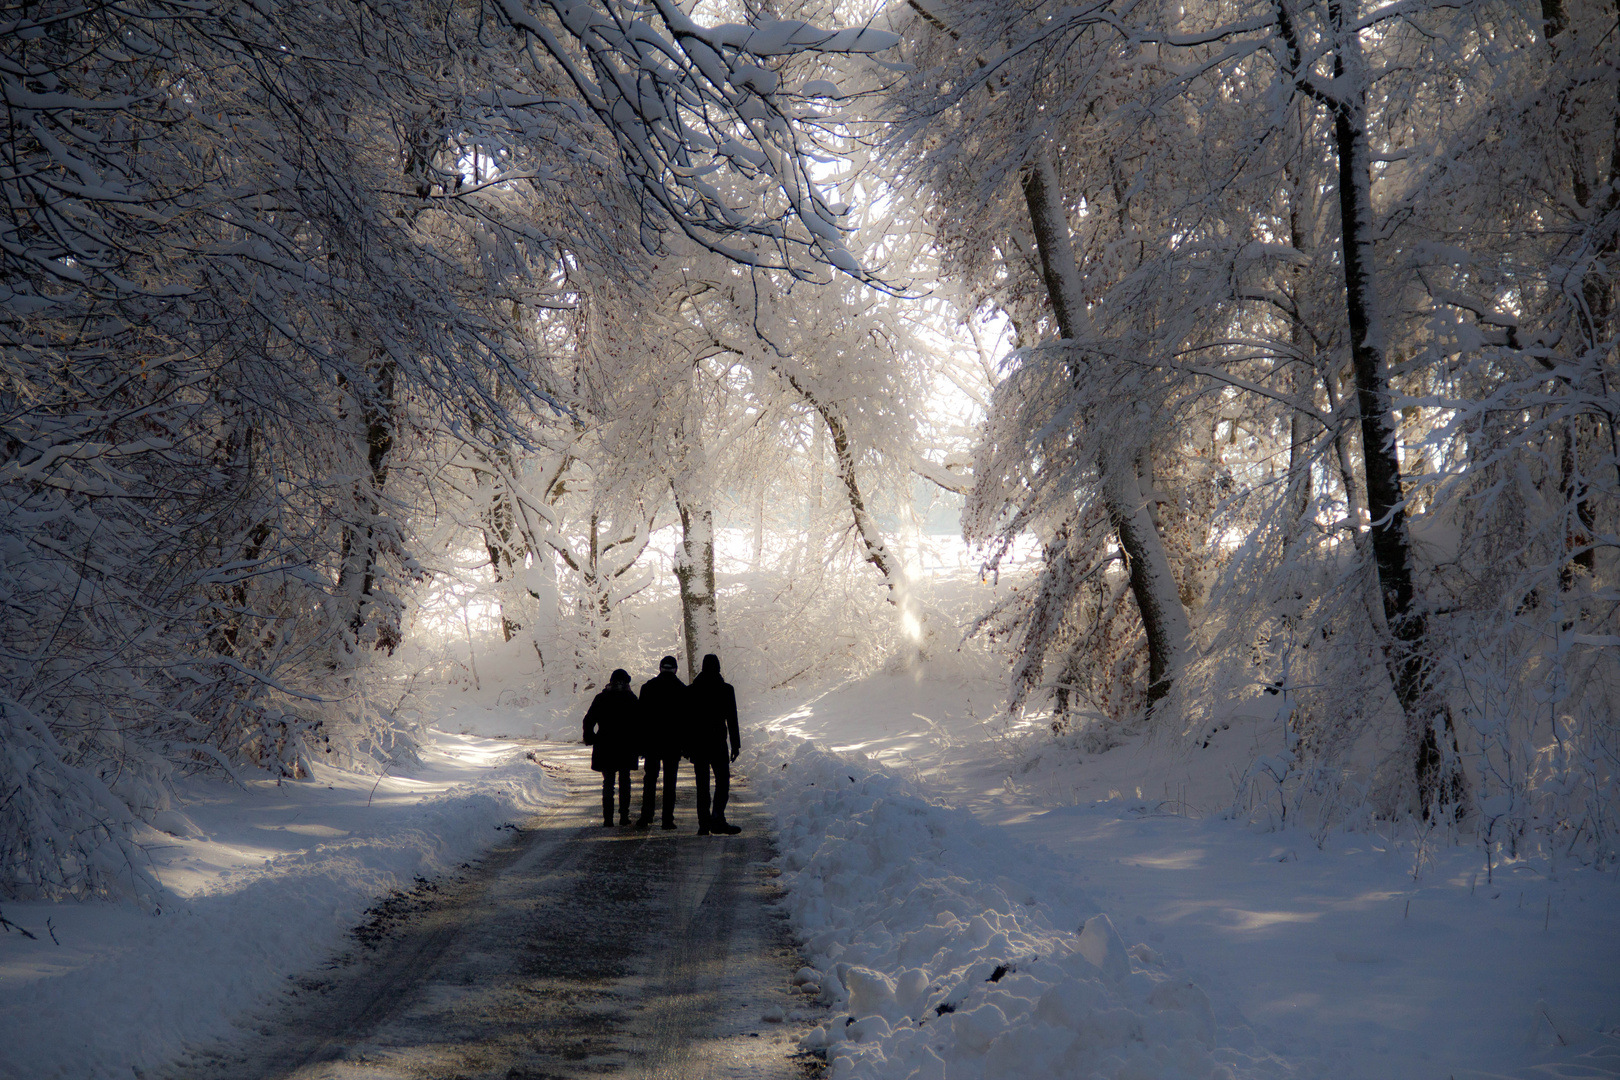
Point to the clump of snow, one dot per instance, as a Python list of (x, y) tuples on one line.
[(943, 948), (264, 883)]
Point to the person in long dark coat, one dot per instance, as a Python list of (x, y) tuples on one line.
[(612, 726), (664, 723), (714, 719)]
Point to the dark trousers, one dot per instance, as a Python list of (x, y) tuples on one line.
[(623, 777), (722, 790), (649, 788)]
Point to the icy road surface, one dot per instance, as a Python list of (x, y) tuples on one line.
[(572, 950)]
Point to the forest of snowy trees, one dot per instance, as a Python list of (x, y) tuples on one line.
[(1289, 325)]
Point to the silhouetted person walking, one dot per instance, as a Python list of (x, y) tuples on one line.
[(612, 726), (664, 725), (713, 705)]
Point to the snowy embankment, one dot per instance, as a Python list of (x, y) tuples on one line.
[(944, 949), (1383, 953), (265, 883)]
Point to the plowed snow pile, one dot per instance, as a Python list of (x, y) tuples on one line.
[(1368, 951), (946, 952)]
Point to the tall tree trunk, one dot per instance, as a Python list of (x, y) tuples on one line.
[(818, 450), (495, 473), (1409, 665), (1153, 583), (1592, 317), (1302, 383), (758, 549), (1580, 520), (887, 561), (535, 522), (598, 589), (361, 546), (1300, 488), (694, 570), (877, 553)]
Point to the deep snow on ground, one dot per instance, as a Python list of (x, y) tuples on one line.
[(1378, 956), (266, 882), (949, 951)]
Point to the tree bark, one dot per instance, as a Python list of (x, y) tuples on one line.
[(694, 570), (1153, 584), (1597, 301), (1302, 384), (1406, 625), (360, 547), (759, 528), (357, 574), (877, 553), (497, 520), (1410, 667)]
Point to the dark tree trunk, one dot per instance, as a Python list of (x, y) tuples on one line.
[(1302, 384), (357, 579), (1409, 664), (498, 522), (912, 619), (1410, 667), (844, 457), (1153, 583)]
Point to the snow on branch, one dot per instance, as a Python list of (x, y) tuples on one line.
[(704, 124), (941, 476)]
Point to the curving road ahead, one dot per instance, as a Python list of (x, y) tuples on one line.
[(572, 950)]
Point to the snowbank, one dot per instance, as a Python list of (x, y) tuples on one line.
[(1379, 954), (945, 949), (255, 902)]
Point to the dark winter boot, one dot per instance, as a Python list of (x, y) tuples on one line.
[(725, 828)]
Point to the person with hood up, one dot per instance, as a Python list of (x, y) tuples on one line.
[(713, 709), (612, 726), (664, 719)]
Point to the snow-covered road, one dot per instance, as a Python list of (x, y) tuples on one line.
[(571, 950)]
